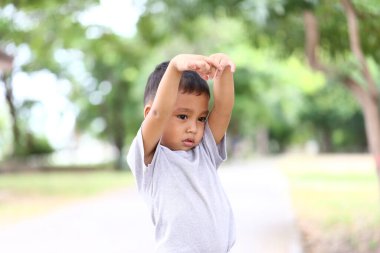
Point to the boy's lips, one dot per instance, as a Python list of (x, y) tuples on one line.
[(188, 142)]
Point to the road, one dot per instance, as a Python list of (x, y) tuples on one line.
[(119, 222)]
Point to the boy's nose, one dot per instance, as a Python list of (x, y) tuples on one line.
[(192, 127)]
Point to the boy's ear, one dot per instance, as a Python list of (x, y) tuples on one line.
[(147, 109)]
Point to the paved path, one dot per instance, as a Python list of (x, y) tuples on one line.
[(119, 222), (259, 195)]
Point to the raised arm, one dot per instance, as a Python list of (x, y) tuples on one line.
[(159, 111), (224, 98)]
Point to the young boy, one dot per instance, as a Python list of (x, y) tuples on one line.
[(178, 149)]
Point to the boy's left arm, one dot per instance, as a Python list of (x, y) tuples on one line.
[(224, 98)]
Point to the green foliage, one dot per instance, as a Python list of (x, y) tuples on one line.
[(37, 145), (275, 90), (108, 65), (5, 139), (270, 94), (41, 27), (109, 104), (30, 143), (44, 26), (335, 118), (33, 146)]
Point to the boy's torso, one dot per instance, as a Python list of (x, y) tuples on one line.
[(189, 208)]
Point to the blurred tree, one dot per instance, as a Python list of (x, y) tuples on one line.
[(336, 47), (293, 28), (6, 66), (268, 100), (41, 26), (110, 102), (337, 128), (101, 65), (350, 63)]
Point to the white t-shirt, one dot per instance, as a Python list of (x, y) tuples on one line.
[(188, 205)]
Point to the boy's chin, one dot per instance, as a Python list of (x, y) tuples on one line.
[(181, 148), (184, 149)]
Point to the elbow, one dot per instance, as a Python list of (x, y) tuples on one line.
[(158, 115)]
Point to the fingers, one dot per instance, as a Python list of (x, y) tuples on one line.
[(223, 66), (213, 66), (221, 62), (200, 66), (212, 73), (231, 65), (207, 67), (215, 62), (203, 67), (228, 63)]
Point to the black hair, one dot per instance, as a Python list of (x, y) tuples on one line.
[(190, 82)]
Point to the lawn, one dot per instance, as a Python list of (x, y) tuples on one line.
[(336, 200), (24, 195)]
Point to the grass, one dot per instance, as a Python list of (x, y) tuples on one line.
[(336, 199), (25, 195)]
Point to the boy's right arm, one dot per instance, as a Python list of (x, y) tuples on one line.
[(163, 105), (159, 113)]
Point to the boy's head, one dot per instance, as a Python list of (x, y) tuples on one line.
[(186, 125), (190, 83)]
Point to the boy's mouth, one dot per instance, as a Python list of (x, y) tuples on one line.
[(188, 142)]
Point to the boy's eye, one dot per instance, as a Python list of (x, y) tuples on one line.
[(202, 119), (182, 116)]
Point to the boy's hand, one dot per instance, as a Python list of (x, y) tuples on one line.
[(223, 62), (206, 67)]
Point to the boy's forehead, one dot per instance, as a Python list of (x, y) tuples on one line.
[(192, 95), (192, 98), (189, 110), (192, 102)]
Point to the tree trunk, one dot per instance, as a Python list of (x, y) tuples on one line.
[(12, 109), (372, 120), (368, 97), (262, 140), (326, 143), (6, 65), (120, 163), (371, 113)]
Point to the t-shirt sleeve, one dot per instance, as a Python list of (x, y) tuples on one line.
[(216, 152), (135, 159)]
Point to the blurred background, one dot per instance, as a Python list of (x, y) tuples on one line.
[(307, 84)]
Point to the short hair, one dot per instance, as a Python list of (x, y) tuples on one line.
[(190, 82)]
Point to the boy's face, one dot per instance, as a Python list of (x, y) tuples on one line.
[(187, 123)]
